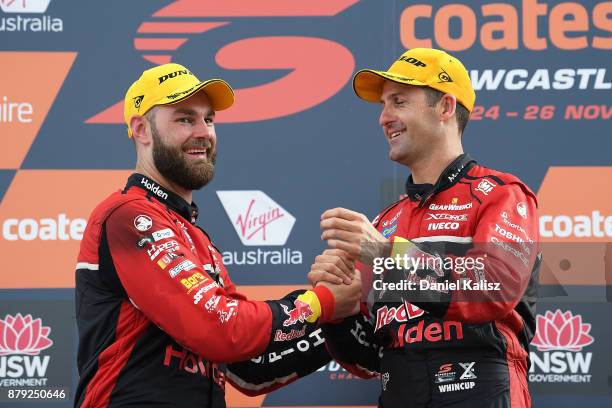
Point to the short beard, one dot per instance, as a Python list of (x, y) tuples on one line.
[(172, 165)]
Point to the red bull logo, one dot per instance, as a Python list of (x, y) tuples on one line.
[(300, 313)]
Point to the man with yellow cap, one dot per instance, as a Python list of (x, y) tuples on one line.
[(157, 313), (450, 304)]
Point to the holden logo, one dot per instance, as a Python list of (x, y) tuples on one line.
[(521, 208), (24, 6), (257, 219), (143, 223), (561, 331), (23, 335)]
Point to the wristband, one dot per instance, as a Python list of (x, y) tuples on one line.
[(325, 302)]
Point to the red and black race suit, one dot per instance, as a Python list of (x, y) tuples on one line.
[(160, 322), (462, 345)]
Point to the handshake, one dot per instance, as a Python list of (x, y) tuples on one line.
[(351, 239)]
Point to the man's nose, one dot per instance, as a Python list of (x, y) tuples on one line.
[(386, 116), (203, 129)]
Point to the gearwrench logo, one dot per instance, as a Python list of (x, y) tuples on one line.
[(160, 38)]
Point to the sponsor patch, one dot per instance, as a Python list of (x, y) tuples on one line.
[(194, 280), (521, 209), (435, 226), (143, 223), (157, 249), (446, 217), (450, 207), (299, 313), (468, 371), (388, 231), (485, 186), (445, 374), (166, 259), (144, 241), (464, 386), (385, 379), (392, 220), (200, 293), (212, 303), (186, 265), (162, 234), (154, 237), (280, 335)]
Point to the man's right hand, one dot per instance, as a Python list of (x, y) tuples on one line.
[(335, 270), (333, 266), (347, 297)]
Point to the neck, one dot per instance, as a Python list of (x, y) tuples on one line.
[(428, 169), (152, 173)]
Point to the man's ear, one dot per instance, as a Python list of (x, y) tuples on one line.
[(138, 126), (448, 106)]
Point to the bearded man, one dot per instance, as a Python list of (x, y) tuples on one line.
[(157, 313)]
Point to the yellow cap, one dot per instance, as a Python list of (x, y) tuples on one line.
[(171, 83), (421, 67)]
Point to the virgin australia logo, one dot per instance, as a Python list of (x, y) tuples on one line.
[(28, 16), (257, 219), (24, 6)]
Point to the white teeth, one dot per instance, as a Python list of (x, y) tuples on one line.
[(394, 134)]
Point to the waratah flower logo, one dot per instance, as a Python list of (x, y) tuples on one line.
[(23, 335), (561, 331)]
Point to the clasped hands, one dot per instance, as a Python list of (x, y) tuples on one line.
[(351, 238)]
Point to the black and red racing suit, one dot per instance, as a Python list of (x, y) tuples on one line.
[(158, 315), (450, 346)]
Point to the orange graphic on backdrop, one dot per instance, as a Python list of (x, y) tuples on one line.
[(258, 53), (575, 208), (29, 84), (42, 216)]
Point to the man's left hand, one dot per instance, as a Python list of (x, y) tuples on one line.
[(352, 232)]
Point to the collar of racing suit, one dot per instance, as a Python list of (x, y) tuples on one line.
[(165, 196), (450, 176)]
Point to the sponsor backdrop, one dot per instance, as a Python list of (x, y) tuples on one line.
[(298, 142)]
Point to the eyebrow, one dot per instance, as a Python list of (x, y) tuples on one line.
[(191, 112), (393, 95)]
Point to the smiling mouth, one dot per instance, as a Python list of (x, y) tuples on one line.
[(197, 152), (394, 135)]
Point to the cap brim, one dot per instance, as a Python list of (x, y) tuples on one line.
[(368, 83), (219, 92)]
